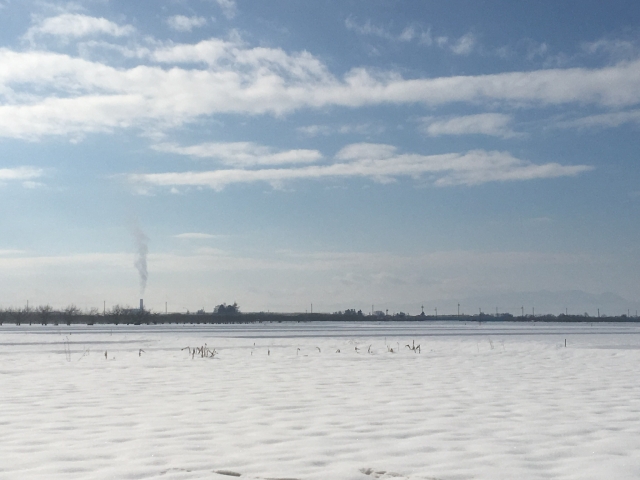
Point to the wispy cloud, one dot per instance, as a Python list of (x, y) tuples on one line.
[(75, 25), (536, 50), (242, 154), (617, 49), (348, 277), (464, 45), (603, 120), (315, 130), (368, 28), (409, 34), (46, 93), (378, 162), (228, 7), (31, 185), (365, 129), (20, 173), (11, 252), (196, 236), (494, 124), (182, 23), (26, 175)]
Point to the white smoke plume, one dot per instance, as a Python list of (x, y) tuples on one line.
[(142, 249)]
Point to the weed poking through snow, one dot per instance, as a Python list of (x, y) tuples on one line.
[(203, 352), (67, 349), (415, 348), (85, 353)]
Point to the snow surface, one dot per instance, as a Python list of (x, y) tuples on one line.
[(490, 401)]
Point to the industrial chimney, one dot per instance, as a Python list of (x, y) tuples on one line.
[(141, 305)]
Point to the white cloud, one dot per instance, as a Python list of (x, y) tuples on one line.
[(535, 50), (233, 61), (372, 151), (380, 163), (242, 154), (30, 184), (74, 25), (182, 23), (315, 130), (210, 52), (366, 129), (23, 174), (464, 45), (7, 252), (615, 48), (196, 236), (229, 8), (604, 120), (361, 129), (409, 34), (369, 28), (494, 124), (45, 93)]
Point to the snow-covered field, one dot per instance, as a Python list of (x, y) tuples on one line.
[(483, 401)]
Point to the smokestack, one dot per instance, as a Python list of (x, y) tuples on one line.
[(141, 305)]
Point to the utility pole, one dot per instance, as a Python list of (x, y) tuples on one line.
[(598, 313), (522, 308), (104, 308), (458, 309)]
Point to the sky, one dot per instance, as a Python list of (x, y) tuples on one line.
[(387, 154)]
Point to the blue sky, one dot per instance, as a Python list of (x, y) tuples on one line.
[(342, 153)]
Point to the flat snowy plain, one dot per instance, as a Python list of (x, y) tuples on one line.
[(490, 401)]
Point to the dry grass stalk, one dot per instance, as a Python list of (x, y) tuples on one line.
[(203, 351), (415, 348)]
